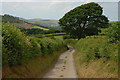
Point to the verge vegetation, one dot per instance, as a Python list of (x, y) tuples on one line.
[(19, 49), (97, 56)]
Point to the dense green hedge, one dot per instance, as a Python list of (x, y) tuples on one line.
[(114, 32), (34, 31), (14, 44), (95, 48), (17, 48)]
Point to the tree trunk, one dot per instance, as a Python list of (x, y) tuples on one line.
[(84, 25)]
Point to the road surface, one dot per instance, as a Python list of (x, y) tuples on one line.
[(64, 68)]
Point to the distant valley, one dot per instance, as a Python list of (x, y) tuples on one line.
[(30, 23), (44, 22)]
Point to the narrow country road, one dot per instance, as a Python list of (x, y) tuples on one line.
[(64, 68)]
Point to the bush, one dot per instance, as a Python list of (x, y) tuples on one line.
[(44, 49), (114, 32), (17, 48), (14, 44), (48, 45), (96, 48), (68, 37), (35, 48)]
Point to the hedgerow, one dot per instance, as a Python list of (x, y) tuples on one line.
[(19, 48), (14, 44), (113, 32)]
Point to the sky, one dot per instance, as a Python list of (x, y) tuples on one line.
[(54, 9)]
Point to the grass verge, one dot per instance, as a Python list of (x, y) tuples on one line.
[(35, 68), (95, 58)]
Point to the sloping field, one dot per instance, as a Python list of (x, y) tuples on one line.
[(23, 25), (40, 28)]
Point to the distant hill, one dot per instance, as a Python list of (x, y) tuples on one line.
[(30, 23), (11, 19), (45, 22)]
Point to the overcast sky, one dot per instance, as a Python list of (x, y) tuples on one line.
[(54, 9)]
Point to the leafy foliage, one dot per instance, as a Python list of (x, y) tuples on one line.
[(31, 31), (39, 31), (84, 20), (17, 48), (92, 48), (97, 54), (114, 32), (14, 45), (7, 18), (68, 37)]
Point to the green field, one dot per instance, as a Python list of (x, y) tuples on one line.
[(40, 28), (49, 35), (49, 23)]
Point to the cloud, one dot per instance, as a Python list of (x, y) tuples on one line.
[(102, 1), (86, 1), (17, 0), (52, 9)]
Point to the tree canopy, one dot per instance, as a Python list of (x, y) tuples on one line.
[(8, 18), (84, 20)]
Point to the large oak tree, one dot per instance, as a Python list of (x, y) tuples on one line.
[(84, 20)]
